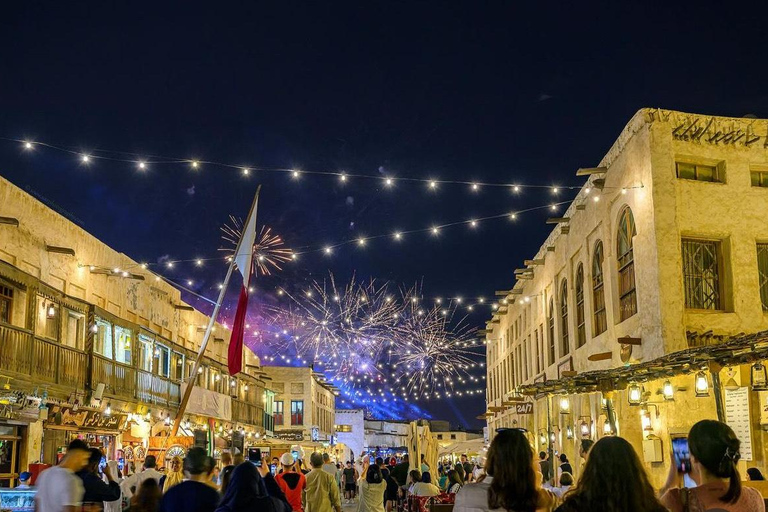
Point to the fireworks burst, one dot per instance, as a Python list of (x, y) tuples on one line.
[(373, 342), (269, 252)]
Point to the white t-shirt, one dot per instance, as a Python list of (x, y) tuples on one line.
[(58, 487), (136, 479)]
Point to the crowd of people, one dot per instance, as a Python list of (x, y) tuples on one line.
[(513, 478), (613, 479)]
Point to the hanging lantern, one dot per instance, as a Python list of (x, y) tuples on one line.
[(668, 391), (569, 432), (584, 427), (702, 385), (542, 438), (51, 310), (108, 410), (645, 420), (565, 405), (635, 394), (759, 377), (607, 430)]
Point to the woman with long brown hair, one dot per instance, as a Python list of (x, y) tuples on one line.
[(613, 480), (714, 450), (512, 482), (147, 497)]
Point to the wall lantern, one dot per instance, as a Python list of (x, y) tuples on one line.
[(565, 405), (108, 410), (668, 390), (635, 394), (51, 310), (702, 385), (543, 438), (607, 430), (569, 432), (584, 428), (645, 420), (759, 377)]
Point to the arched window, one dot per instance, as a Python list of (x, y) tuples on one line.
[(565, 347), (551, 331), (581, 333), (626, 262), (598, 292)]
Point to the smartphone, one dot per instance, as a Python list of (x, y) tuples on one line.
[(273, 469), (372, 460), (681, 454), (254, 456), (102, 464)]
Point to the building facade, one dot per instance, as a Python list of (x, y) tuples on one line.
[(96, 345), (350, 432), (304, 404), (665, 249)]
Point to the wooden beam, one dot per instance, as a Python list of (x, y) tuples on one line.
[(529, 263), (11, 221), (517, 291), (581, 207), (525, 276), (568, 373), (523, 271), (601, 356), (503, 293), (626, 340), (588, 171), (558, 220), (550, 248), (564, 230), (183, 307), (60, 250)]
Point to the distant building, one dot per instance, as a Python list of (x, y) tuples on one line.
[(386, 437), (350, 433), (304, 407)]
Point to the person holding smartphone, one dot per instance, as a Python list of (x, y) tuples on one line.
[(713, 453)]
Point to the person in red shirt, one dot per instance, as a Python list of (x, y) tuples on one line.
[(291, 481)]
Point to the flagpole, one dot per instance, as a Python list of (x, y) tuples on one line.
[(211, 322)]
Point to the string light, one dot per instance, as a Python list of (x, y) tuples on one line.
[(398, 235), (473, 223), (246, 171), (195, 164), (361, 241), (432, 184), (435, 230), (388, 182), (343, 178), (142, 165), (27, 145), (85, 159), (295, 174), (596, 199)]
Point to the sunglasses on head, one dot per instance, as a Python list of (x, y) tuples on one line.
[(506, 429)]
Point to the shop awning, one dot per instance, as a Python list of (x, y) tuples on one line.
[(743, 349), (471, 447)]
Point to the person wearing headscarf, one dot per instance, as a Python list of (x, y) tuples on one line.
[(247, 492), (174, 476)]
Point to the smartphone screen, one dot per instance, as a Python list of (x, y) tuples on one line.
[(372, 460), (681, 454), (254, 456), (272, 469)]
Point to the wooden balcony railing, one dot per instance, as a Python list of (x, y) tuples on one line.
[(157, 390), (120, 380), (243, 412), (15, 350)]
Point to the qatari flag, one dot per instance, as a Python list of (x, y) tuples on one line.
[(244, 262)]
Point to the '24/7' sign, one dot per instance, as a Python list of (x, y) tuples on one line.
[(524, 408)]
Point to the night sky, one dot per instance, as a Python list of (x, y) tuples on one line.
[(487, 91)]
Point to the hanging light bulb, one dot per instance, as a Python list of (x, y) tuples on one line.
[(668, 391), (702, 384)]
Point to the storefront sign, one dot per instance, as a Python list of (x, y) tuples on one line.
[(524, 408), (63, 415), (737, 417), (208, 403), (290, 435)]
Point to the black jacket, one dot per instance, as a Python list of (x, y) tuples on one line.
[(96, 490)]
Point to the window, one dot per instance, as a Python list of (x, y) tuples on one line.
[(598, 292), (102, 341), (47, 324), (278, 412), (177, 366), (581, 333), (6, 303), (566, 347), (453, 437), (123, 347), (759, 178), (701, 274), (297, 412), (626, 262), (698, 172), (348, 428), (762, 271), (74, 329), (297, 388), (439, 437), (145, 353), (163, 355), (551, 331), (214, 382), (538, 351)]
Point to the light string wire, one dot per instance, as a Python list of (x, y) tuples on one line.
[(143, 162)]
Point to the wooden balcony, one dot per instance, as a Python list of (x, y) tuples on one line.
[(243, 412), (157, 390), (15, 350)]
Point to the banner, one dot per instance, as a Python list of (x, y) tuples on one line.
[(65, 416), (208, 403)]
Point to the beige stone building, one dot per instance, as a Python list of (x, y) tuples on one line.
[(665, 249), (92, 343), (304, 404)]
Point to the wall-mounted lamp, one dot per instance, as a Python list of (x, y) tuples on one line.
[(584, 428), (759, 377), (565, 405), (668, 391), (607, 430), (543, 438), (51, 310), (569, 432), (702, 384), (108, 410), (634, 394)]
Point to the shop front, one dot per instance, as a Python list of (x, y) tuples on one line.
[(68, 422)]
